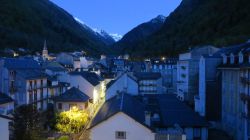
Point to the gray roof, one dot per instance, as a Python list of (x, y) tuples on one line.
[(124, 103), (20, 63), (147, 75), (91, 77), (169, 108), (53, 66), (5, 99), (72, 95), (30, 74)]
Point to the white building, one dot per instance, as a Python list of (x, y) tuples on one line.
[(188, 72), (149, 82), (127, 117), (89, 83), (235, 91), (4, 127), (71, 98), (126, 82)]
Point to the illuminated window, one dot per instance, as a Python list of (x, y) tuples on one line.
[(120, 135)]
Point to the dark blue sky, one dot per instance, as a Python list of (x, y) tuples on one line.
[(117, 16)]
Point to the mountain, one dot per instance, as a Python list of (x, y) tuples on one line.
[(198, 22), (26, 24), (116, 37), (129, 40), (97, 34)]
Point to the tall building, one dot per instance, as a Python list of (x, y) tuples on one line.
[(188, 72), (235, 91)]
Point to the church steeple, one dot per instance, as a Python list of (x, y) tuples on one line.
[(45, 52)]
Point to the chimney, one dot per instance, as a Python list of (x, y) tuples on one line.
[(148, 118)]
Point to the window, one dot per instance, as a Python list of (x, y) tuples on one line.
[(120, 135), (59, 106), (197, 132), (72, 105)]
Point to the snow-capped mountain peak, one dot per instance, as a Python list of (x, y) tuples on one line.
[(116, 36)]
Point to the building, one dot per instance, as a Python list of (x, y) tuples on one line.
[(45, 53), (30, 87), (151, 117), (71, 98), (235, 91), (5, 132), (10, 70), (188, 72), (6, 104), (168, 70), (149, 82), (69, 60), (124, 83), (208, 100), (89, 83)]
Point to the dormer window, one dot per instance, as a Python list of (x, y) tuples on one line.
[(224, 58), (241, 58), (231, 58)]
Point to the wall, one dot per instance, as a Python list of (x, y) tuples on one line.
[(134, 131), (122, 83), (4, 128)]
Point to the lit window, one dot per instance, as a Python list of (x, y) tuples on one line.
[(120, 135)]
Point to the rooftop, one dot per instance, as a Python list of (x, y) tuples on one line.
[(168, 107), (5, 99), (20, 63), (91, 77), (72, 95)]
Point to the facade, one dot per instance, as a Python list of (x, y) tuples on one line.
[(143, 120), (71, 98), (89, 83), (235, 91), (209, 97), (23, 81), (149, 82), (188, 72), (168, 70), (124, 83), (5, 132), (69, 61)]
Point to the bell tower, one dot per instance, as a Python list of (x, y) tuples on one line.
[(45, 52)]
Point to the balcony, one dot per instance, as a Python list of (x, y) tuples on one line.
[(245, 97), (245, 80)]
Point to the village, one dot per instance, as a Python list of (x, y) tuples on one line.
[(159, 98)]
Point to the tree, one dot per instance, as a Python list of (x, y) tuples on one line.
[(71, 121), (26, 123)]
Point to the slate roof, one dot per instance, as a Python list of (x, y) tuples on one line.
[(91, 77), (30, 74), (54, 66), (72, 95), (147, 75), (170, 110), (124, 103), (20, 63), (168, 107), (5, 99)]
